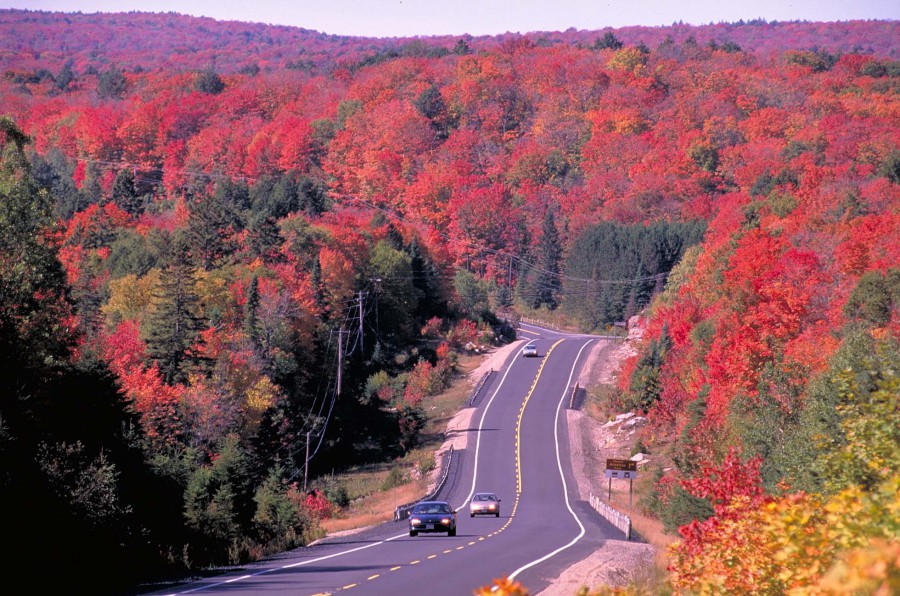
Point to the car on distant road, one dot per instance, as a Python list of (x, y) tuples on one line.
[(432, 516), (529, 350), (484, 504)]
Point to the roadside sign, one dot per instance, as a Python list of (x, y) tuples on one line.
[(623, 465), (621, 469), (621, 474)]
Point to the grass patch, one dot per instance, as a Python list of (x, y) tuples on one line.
[(375, 508)]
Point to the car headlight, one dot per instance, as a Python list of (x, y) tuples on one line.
[(445, 521), (415, 520), (492, 506)]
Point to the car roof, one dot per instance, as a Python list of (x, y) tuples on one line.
[(488, 494), (432, 503)]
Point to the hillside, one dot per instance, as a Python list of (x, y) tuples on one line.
[(246, 242)]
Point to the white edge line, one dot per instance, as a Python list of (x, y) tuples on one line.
[(306, 562), (561, 475)]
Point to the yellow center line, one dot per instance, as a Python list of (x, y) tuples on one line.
[(519, 427), (432, 556), (415, 562), (397, 567), (348, 586), (449, 550), (471, 543), (374, 576), (460, 547)]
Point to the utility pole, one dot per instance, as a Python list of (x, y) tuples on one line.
[(340, 363), (306, 466), (362, 336)]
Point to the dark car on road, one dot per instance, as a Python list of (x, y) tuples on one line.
[(432, 516)]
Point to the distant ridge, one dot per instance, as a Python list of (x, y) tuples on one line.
[(171, 40)]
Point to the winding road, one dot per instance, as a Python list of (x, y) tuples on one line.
[(517, 448)]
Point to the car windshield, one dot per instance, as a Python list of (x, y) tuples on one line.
[(485, 498), (432, 508)]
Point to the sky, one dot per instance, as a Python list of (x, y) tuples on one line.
[(405, 18)]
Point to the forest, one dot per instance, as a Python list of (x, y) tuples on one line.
[(225, 245)]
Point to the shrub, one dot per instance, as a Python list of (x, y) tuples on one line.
[(394, 478)]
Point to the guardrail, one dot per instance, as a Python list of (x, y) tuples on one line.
[(539, 323), (402, 512), (619, 520), (478, 387)]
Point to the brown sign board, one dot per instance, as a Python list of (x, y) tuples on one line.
[(625, 465)]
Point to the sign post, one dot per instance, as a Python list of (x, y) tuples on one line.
[(624, 469)]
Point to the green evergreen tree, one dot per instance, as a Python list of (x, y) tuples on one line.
[(125, 194), (251, 310), (65, 76), (208, 81), (549, 253), (34, 297), (212, 223), (427, 280), (174, 325), (315, 275), (53, 172), (608, 41), (112, 84), (265, 238)]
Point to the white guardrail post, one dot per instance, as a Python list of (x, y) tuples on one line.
[(619, 520)]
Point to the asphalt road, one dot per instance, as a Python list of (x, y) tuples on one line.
[(517, 448)]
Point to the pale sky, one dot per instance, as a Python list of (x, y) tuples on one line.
[(402, 18)]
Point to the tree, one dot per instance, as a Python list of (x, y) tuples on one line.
[(398, 298), (112, 84), (65, 76), (426, 278), (213, 222), (251, 311), (219, 500), (125, 195), (430, 103), (34, 298), (549, 253), (608, 41), (208, 81), (63, 467), (461, 48), (874, 298), (174, 325), (472, 294)]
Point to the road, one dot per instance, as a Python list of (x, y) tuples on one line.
[(517, 448)]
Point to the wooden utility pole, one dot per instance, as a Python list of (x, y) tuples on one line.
[(340, 362), (362, 336), (306, 466)]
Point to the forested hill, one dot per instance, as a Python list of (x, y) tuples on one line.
[(36, 39), (226, 245)]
